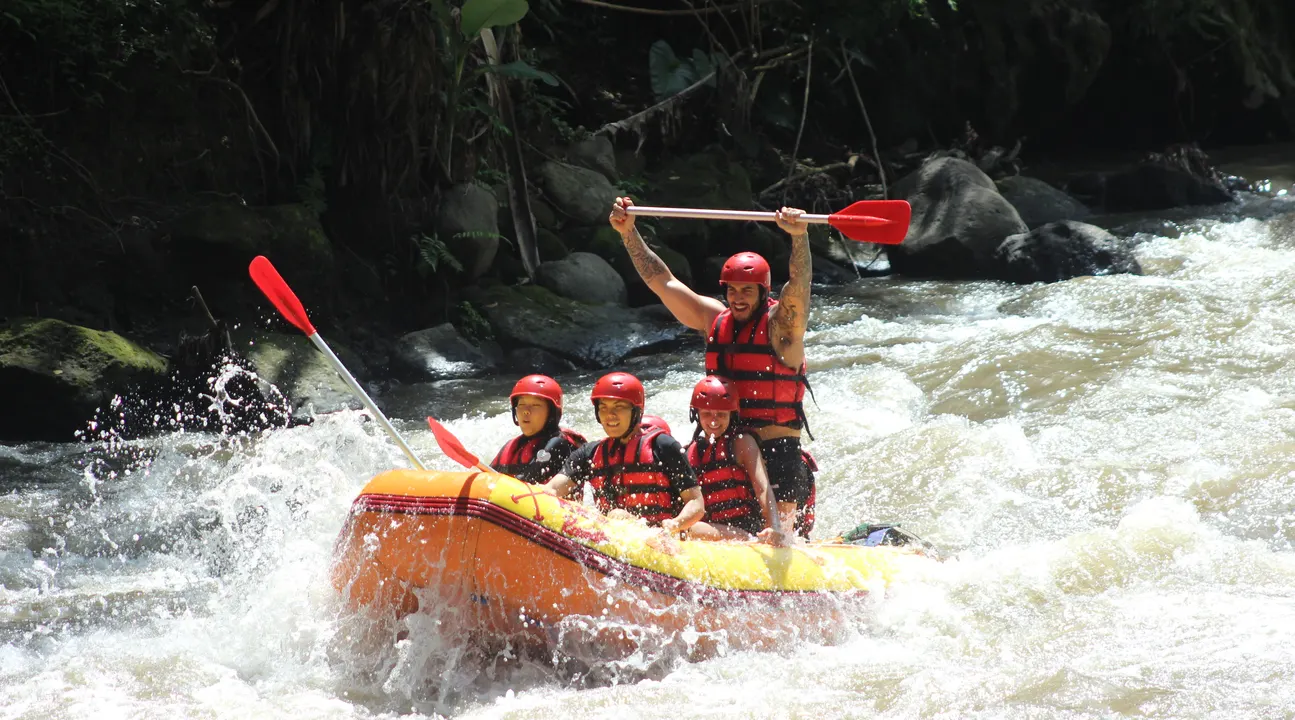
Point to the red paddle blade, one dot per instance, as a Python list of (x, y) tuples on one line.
[(876, 221), (285, 301), (451, 446)]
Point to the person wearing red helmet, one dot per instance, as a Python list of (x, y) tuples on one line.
[(756, 342), (656, 421), (538, 453), (739, 502), (633, 471)]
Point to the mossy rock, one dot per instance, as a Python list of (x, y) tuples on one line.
[(551, 246), (54, 376), (594, 336), (299, 372)]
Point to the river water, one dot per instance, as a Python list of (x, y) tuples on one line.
[(1109, 464)]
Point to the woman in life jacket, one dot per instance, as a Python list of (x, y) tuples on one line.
[(739, 502), (633, 472), (538, 453)]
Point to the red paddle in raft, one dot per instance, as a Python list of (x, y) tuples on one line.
[(286, 302), (876, 221), (454, 449)]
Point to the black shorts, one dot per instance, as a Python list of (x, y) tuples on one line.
[(788, 474)]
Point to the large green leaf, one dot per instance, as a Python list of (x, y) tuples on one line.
[(477, 15), (669, 74), (522, 71)]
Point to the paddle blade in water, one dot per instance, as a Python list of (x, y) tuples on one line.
[(877, 221), (285, 301), (451, 446)]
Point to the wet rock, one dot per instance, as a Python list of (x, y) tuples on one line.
[(299, 373), (441, 353), (595, 153), (526, 361), (959, 220), (593, 336), (1147, 187), (830, 273), (1063, 250), (1039, 203), (469, 226), (585, 277), (582, 194), (54, 375)]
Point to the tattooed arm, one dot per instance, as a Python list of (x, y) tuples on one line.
[(693, 310), (789, 319)]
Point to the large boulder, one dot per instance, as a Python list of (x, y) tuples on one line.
[(1147, 187), (708, 179), (595, 153), (212, 246), (593, 336), (441, 353), (1063, 250), (468, 224), (959, 220), (584, 195), (54, 375), (1039, 203), (290, 369), (585, 277)]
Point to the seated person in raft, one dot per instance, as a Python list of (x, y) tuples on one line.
[(538, 453), (633, 472), (656, 421), (734, 484)]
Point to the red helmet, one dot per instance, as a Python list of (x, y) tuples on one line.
[(653, 421), (713, 393), (541, 386), (746, 267), (619, 386)]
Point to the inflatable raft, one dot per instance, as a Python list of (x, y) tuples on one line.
[(504, 559)]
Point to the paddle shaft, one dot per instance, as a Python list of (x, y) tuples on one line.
[(364, 397), (704, 214)]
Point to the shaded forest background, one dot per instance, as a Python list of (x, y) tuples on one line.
[(139, 137)]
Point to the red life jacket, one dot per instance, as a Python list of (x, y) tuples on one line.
[(627, 476), (517, 455), (771, 393), (725, 486)]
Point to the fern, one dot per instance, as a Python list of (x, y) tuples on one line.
[(433, 252)]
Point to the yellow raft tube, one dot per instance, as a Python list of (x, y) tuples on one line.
[(510, 560)]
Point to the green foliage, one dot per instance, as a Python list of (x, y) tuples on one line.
[(671, 75), (478, 15), (521, 71), (90, 42), (432, 252)]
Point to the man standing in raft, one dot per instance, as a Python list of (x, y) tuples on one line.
[(538, 453), (756, 342), (635, 471)]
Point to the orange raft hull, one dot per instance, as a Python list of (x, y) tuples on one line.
[(499, 558)]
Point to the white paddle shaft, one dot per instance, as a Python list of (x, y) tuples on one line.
[(351, 382), (703, 214)]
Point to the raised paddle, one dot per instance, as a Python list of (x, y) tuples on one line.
[(286, 302), (876, 221), (454, 449)]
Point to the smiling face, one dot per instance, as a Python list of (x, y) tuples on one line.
[(616, 417), (714, 422), (743, 299), (532, 414)]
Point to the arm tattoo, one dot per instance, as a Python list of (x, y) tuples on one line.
[(649, 266), (793, 306)]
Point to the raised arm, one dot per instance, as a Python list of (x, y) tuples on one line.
[(748, 456), (789, 319), (693, 310)]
